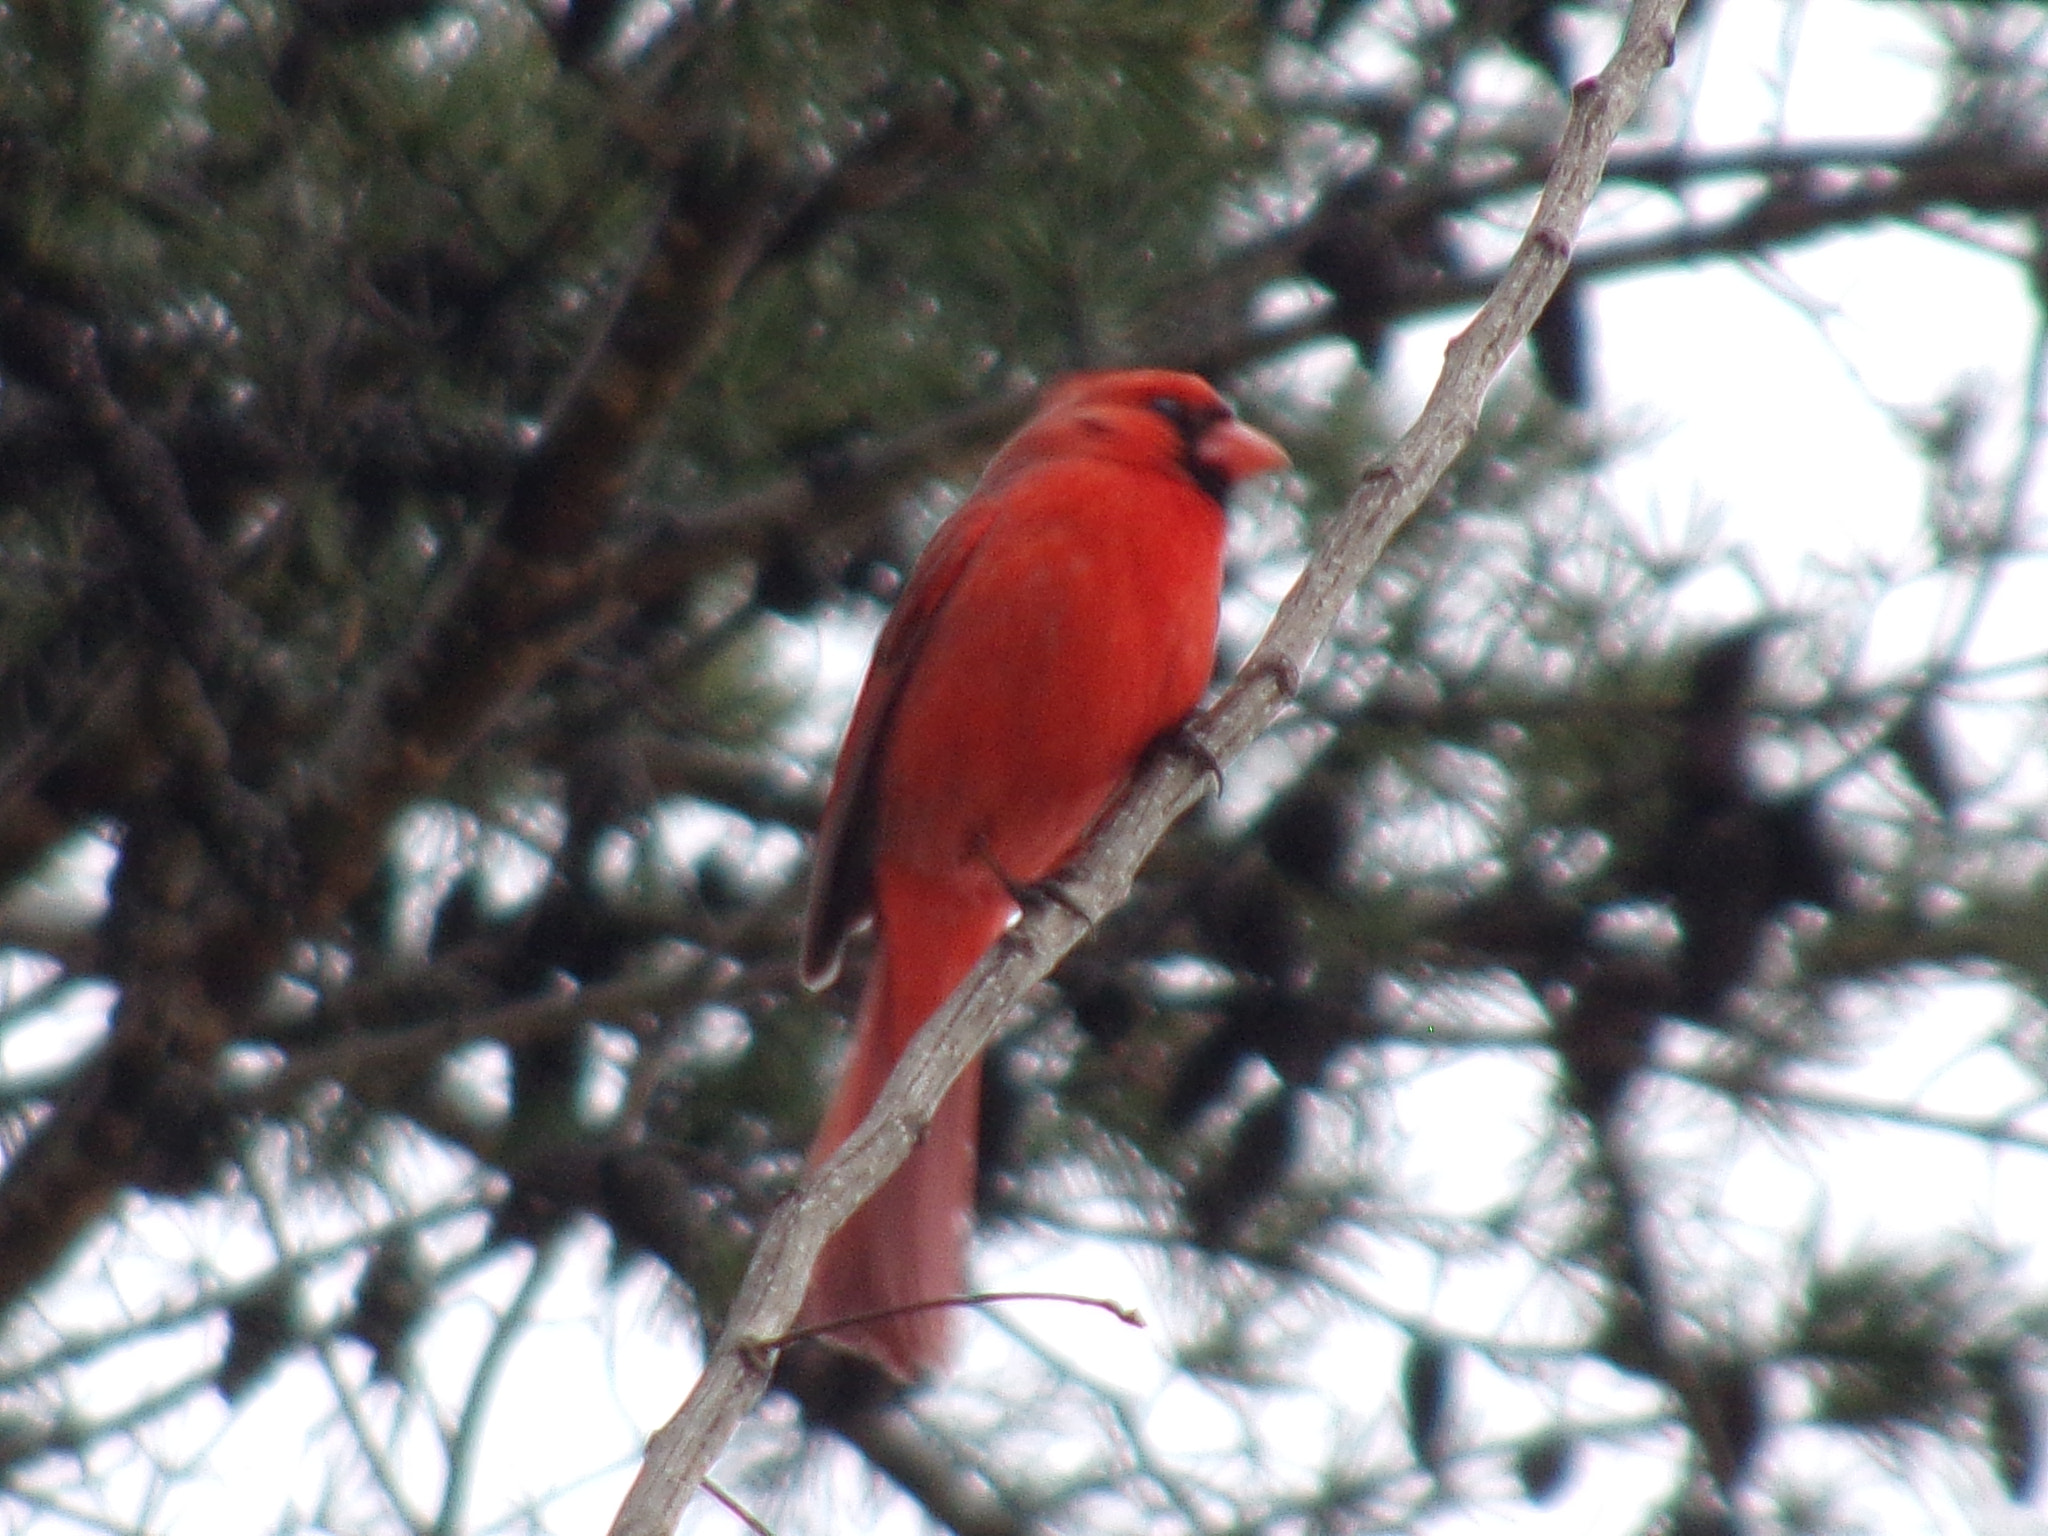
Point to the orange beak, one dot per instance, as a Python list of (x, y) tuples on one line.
[(1233, 451)]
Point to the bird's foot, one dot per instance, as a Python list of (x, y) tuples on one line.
[(1054, 890)]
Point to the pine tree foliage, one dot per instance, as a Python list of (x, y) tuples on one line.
[(450, 449)]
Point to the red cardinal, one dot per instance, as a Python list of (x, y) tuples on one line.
[(1060, 622)]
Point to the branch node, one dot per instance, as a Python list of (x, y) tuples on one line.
[(1056, 891), (1186, 740), (1284, 672)]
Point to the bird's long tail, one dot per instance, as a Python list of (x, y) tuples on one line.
[(908, 1244)]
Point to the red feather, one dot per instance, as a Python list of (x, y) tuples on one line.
[(1059, 623)]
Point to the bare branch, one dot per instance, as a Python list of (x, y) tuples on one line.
[(360, 1059), (538, 590), (681, 1454), (545, 583), (463, 1450)]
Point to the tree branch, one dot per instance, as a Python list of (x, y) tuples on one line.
[(358, 1061), (193, 955), (175, 568), (1812, 191), (926, 1469), (171, 560), (545, 582), (681, 1454)]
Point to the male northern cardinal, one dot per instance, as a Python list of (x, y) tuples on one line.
[(1058, 624)]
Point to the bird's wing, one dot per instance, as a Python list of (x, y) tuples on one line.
[(842, 869)]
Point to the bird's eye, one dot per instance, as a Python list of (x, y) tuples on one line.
[(1174, 410)]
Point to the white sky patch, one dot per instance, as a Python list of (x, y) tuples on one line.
[(48, 1041), (1818, 69)]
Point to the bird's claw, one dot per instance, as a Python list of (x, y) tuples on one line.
[(1053, 891)]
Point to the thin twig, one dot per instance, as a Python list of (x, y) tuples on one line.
[(415, 1047), (510, 1328), (1129, 1316), (737, 1510), (382, 1469)]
